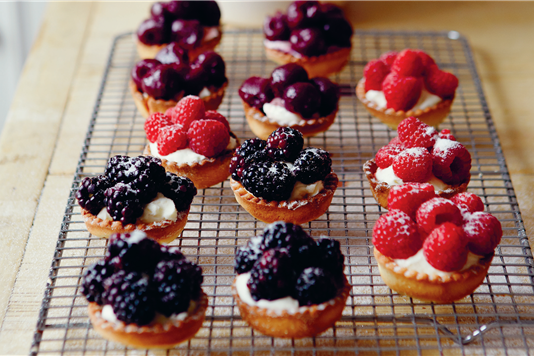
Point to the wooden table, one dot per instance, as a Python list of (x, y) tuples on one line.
[(47, 122)]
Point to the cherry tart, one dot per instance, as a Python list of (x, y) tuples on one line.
[(144, 295), (136, 194), (279, 180), (419, 154), (288, 285), (192, 25), (289, 99), (158, 84), (404, 84), (311, 34), (432, 248)]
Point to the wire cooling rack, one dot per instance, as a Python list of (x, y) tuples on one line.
[(496, 319)]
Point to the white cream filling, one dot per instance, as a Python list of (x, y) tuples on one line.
[(418, 263), (204, 93), (388, 176), (303, 191), (109, 315), (186, 155), (210, 33), (159, 209), (282, 46), (280, 115), (426, 99)]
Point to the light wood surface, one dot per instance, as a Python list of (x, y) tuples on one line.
[(47, 123)]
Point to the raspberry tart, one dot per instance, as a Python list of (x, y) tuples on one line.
[(144, 295), (434, 249), (288, 285), (409, 83), (314, 35), (192, 142), (419, 154), (192, 25), (279, 180), (158, 84), (289, 99), (136, 194)]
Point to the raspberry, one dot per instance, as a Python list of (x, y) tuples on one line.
[(413, 165), (440, 83), (483, 232), (214, 115), (395, 235), (415, 133), (468, 201), (313, 165), (388, 58), (314, 286), (395, 141), (451, 162), (171, 139), (446, 248), (271, 277), (401, 93), (437, 211), (426, 59), (208, 137), (446, 135), (374, 72), (154, 123), (409, 196), (272, 181), (285, 144), (408, 63), (386, 155), (189, 109)]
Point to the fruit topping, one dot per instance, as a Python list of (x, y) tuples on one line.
[(314, 286), (285, 75), (275, 27), (401, 93), (208, 69), (440, 83), (256, 91), (396, 235), (152, 32), (272, 181), (308, 41), (468, 201), (337, 31), (208, 137), (408, 63), (386, 155), (375, 72), (446, 248), (483, 232), (90, 195), (302, 98), (437, 211), (123, 203), (451, 161), (180, 190), (250, 151), (388, 58), (330, 256), (209, 14), (409, 196), (330, 95), (246, 256), (284, 144), (312, 165), (141, 69), (271, 276), (446, 135), (171, 138), (154, 123), (413, 165), (304, 13), (214, 115), (187, 110), (93, 278), (414, 133), (162, 82)]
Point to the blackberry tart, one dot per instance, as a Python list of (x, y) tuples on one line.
[(144, 295), (135, 193), (279, 180), (289, 98)]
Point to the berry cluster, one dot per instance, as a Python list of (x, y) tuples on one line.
[(188, 124), (286, 261), (269, 169), (421, 151), (446, 230), (140, 278), (311, 28), (128, 184), (403, 75), (171, 74), (290, 85)]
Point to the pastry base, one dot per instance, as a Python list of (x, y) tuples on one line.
[(432, 116), (320, 66), (263, 129), (154, 335), (163, 232), (150, 51), (307, 322), (296, 212), (432, 288), (380, 189)]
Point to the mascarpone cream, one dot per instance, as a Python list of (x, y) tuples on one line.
[(388, 176), (186, 155), (426, 99), (283, 304), (159, 209), (418, 263)]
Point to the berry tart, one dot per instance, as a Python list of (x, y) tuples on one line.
[(144, 295), (432, 248), (289, 99), (289, 285), (192, 25), (419, 154), (279, 180), (158, 84), (192, 142), (314, 35), (409, 83), (136, 194)]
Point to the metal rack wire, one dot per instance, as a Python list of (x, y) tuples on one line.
[(497, 319)]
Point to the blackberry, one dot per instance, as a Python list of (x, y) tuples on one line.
[(268, 180), (285, 144), (123, 203), (93, 280), (133, 252), (247, 255), (124, 169), (90, 195), (251, 150), (271, 277), (330, 256), (314, 286), (312, 165), (169, 253), (116, 168), (180, 190), (176, 283)]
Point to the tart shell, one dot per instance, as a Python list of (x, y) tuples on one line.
[(307, 322), (156, 335), (432, 288), (432, 116), (296, 212)]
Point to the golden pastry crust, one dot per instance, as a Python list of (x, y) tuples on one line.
[(438, 289), (319, 66), (155, 335), (380, 189), (263, 128), (162, 232), (307, 322), (432, 116), (297, 212)]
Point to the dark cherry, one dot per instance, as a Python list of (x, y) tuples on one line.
[(331, 10), (209, 69), (301, 14), (141, 69), (181, 9), (285, 75), (158, 11), (329, 94), (209, 14), (172, 53), (151, 32), (275, 27), (308, 41), (302, 98), (188, 33), (256, 91), (338, 31), (162, 82)]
